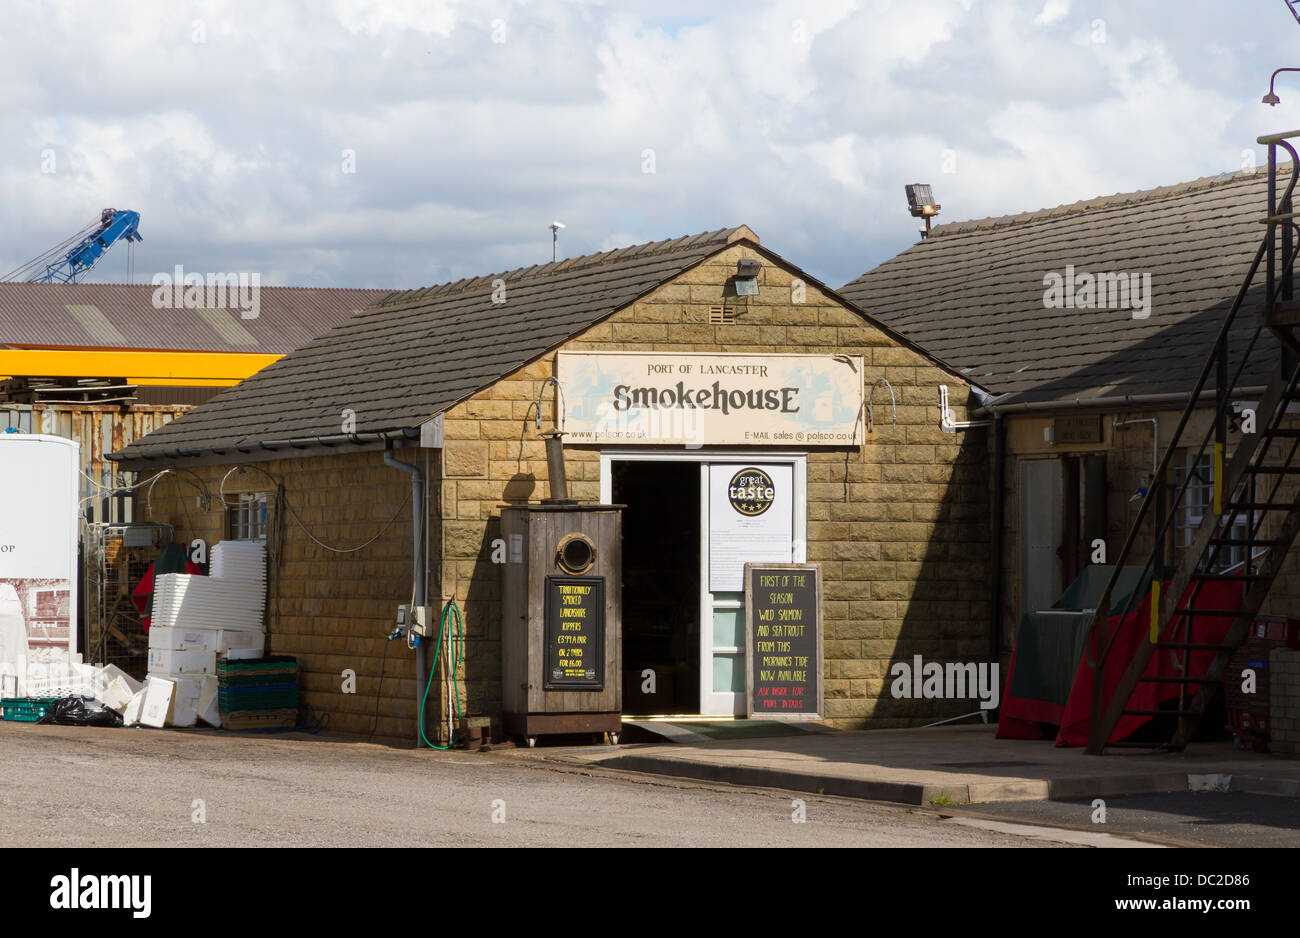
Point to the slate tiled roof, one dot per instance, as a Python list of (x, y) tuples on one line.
[(416, 353), (122, 316), (973, 294)]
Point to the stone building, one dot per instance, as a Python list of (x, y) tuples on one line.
[(1090, 324), (455, 381)]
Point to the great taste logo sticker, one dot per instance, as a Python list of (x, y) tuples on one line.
[(76, 891), (751, 492)]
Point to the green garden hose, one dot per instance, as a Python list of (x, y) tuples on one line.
[(450, 615)]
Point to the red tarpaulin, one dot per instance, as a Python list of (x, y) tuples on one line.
[(173, 560), (1020, 718), (1164, 662)]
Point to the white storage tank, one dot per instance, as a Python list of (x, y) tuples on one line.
[(38, 558)]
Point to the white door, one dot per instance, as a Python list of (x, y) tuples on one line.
[(750, 514), (1040, 533)]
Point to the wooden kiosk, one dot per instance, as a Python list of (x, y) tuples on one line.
[(561, 627)]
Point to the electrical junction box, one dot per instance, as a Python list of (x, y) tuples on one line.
[(418, 620)]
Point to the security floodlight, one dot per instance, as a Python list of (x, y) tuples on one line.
[(747, 277), (921, 203)]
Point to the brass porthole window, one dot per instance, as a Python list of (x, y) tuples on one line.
[(576, 553)]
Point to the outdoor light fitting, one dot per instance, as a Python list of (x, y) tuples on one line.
[(1271, 99), (921, 203), (747, 277)]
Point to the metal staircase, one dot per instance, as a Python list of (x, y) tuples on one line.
[(1254, 507)]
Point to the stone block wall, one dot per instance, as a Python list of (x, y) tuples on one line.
[(330, 610), (1284, 702), (901, 526)]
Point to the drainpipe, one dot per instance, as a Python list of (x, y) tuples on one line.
[(999, 504), (417, 534)]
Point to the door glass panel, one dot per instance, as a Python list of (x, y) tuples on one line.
[(728, 622), (728, 674)]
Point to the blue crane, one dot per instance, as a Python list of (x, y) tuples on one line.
[(64, 262)]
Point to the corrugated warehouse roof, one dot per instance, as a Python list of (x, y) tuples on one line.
[(123, 316), (418, 352), (974, 293)]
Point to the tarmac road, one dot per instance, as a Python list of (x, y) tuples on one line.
[(94, 787)]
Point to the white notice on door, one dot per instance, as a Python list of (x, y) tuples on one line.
[(751, 520)]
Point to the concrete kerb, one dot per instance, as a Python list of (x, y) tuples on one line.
[(1099, 786), (902, 793), (903, 767)]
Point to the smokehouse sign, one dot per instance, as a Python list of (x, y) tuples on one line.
[(711, 398), (783, 644)]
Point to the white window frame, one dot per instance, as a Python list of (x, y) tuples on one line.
[(247, 520)]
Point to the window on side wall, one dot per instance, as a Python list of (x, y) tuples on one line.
[(246, 521), (1197, 503)]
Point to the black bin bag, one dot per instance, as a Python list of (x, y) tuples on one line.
[(80, 711)]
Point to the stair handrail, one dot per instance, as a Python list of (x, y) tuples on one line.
[(1102, 612)]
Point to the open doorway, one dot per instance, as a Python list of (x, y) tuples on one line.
[(661, 584)]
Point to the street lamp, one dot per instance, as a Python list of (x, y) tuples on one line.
[(1271, 99)]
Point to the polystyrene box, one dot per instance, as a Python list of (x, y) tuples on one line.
[(131, 715), (184, 710), (173, 661), (113, 672), (157, 701), (200, 639), (241, 644), (116, 695), (183, 639), (209, 710)]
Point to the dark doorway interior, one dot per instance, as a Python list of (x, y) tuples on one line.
[(661, 584)]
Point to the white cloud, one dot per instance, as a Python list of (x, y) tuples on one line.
[(1053, 12), (801, 119)]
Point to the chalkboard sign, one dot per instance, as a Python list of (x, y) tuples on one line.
[(575, 633), (783, 647)]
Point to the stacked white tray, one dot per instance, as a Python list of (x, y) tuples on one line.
[(199, 619), (182, 600), (239, 560)]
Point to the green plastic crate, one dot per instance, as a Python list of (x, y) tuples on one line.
[(26, 709)]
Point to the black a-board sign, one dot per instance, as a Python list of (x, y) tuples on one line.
[(575, 633), (783, 641)]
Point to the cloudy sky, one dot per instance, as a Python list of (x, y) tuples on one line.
[(400, 143)]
